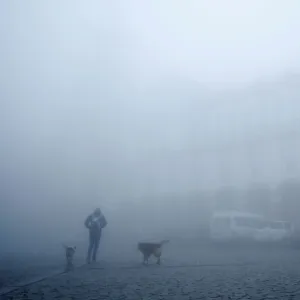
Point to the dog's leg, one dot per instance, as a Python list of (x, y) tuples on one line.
[(67, 268), (158, 257), (146, 259), (69, 265), (157, 254), (158, 260)]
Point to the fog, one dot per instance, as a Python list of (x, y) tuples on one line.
[(159, 113)]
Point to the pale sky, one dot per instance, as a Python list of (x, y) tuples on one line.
[(80, 119), (65, 66), (219, 41), (216, 42), (60, 58)]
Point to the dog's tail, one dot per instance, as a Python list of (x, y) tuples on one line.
[(139, 248), (164, 242)]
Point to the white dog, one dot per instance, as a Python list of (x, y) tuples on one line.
[(69, 252)]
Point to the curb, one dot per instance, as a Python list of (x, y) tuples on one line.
[(11, 288), (177, 266)]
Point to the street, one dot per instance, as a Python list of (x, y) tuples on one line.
[(196, 273)]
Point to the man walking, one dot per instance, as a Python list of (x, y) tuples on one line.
[(95, 223)]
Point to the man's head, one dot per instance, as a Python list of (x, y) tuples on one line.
[(97, 212)]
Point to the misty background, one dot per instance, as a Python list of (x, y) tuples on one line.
[(158, 112)]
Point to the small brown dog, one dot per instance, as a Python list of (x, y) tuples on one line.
[(69, 252), (148, 249)]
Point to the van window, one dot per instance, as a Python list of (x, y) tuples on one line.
[(249, 222), (221, 222), (276, 225)]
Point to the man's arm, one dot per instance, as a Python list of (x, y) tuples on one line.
[(104, 222), (87, 222)]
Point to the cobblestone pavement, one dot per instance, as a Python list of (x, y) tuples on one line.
[(275, 278)]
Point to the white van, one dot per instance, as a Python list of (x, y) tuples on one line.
[(234, 225), (276, 231)]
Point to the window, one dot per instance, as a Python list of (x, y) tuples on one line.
[(276, 225), (249, 222), (222, 222), (287, 226)]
